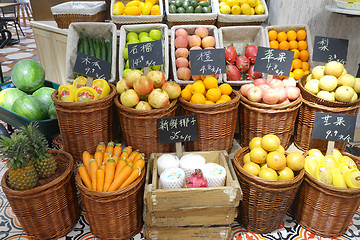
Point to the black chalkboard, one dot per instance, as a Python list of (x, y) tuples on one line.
[(177, 129), (145, 54), (330, 49), (273, 61), (358, 72), (207, 61), (334, 127), (92, 66)]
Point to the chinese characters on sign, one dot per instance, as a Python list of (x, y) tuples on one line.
[(273, 61), (334, 127), (207, 61), (145, 54), (92, 66), (177, 129), (330, 49)]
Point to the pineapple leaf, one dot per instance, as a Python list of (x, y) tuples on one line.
[(38, 144), (15, 150)]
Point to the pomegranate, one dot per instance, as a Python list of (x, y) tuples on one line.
[(251, 74), (250, 52), (129, 98), (232, 73), (142, 105), (158, 98), (157, 77), (230, 54), (172, 88), (196, 180), (242, 63), (131, 76), (121, 86), (143, 85)]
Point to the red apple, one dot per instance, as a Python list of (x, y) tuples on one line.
[(286, 101), (244, 88), (282, 93), (158, 98), (289, 82), (270, 96), (143, 85), (172, 88), (264, 87), (157, 77), (274, 83), (293, 92), (259, 81), (194, 40), (254, 94)]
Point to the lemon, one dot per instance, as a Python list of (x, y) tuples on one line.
[(225, 98), (209, 102), (338, 178), (186, 94), (236, 10), (323, 174), (118, 8), (252, 3), (147, 8), (225, 9), (132, 4), (222, 3), (259, 9), (246, 9), (198, 87), (252, 11), (132, 10), (352, 178), (231, 3), (244, 1), (213, 94)]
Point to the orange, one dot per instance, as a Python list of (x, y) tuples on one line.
[(302, 45), (293, 45), (274, 44), (155, 10), (209, 102), (291, 74), (307, 72), (291, 35), (281, 37), (284, 45), (270, 142), (221, 100), (210, 82), (296, 53), (225, 88), (198, 98), (186, 94), (189, 86), (213, 94), (298, 73), (297, 63), (301, 35), (255, 142), (305, 66), (276, 160), (225, 98), (295, 161), (272, 35), (198, 87), (304, 55)]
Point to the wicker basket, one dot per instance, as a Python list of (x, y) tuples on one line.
[(305, 124), (259, 119), (84, 124), (139, 127), (323, 209), (216, 124), (315, 99), (114, 215), (264, 202), (50, 210)]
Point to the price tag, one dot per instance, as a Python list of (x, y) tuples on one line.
[(207, 61), (92, 67), (177, 129), (145, 54), (334, 127), (273, 61), (330, 49)]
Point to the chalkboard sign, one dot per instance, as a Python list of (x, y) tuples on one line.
[(92, 66), (273, 61), (358, 72), (177, 129), (145, 54), (334, 127), (330, 49), (207, 61)]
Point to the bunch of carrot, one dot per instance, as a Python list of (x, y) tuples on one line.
[(111, 167)]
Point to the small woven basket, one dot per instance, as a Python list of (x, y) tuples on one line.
[(259, 119), (305, 124), (265, 202), (323, 209), (114, 215), (216, 124), (84, 124), (64, 20), (315, 99), (139, 127), (50, 210)]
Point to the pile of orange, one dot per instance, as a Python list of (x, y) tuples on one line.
[(293, 41), (207, 91)]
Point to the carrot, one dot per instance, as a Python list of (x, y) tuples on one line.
[(109, 174), (119, 166), (110, 148), (101, 145), (107, 156), (103, 166), (130, 163), (123, 175), (84, 175), (139, 163), (124, 153), (116, 157), (128, 149), (100, 175), (132, 177), (133, 154), (139, 156), (117, 149), (99, 157), (128, 160), (93, 167), (86, 156)]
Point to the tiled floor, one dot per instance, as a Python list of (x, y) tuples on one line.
[(10, 228)]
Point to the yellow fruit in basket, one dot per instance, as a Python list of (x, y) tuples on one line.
[(338, 178), (155, 10), (285, 174), (323, 173), (268, 174), (147, 8), (317, 154), (258, 155), (329, 161), (189, 86), (276, 160), (186, 94), (259, 9), (225, 9), (209, 102), (210, 82), (141, 5), (118, 8), (311, 165), (337, 155), (252, 168), (133, 4), (151, 1), (213, 94), (252, 3), (246, 158), (231, 3), (101, 87), (352, 178), (198, 87), (281, 149), (301, 35), (236, 10), (221, 101), (255, 142), (246, 9), (295, 161), (198, 98), (348, 160), (225, 88), (132, 10), (344, 167), (270, 142), (225, 98)]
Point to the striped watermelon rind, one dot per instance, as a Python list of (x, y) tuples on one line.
[(8, 96), (31, 107), (28, 75)]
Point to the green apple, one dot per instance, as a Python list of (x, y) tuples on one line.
[(132, 41), (126, 54), (143, 34), (127, 64), (344, 93), (155, 34), (146, 39), (131, 35)]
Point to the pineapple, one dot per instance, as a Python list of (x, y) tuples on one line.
[(38, 151), (22, 174)]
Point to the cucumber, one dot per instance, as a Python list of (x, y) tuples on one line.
[(103, 49), (86, 44), (91, 47), (97, 49), (109, 51), (80, 45)]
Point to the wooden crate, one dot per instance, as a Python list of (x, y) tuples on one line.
[(191, 207)]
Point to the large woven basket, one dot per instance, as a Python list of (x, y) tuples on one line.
[(114, 215), (305, 124), (216, 124), (84, 124), (265, 202), (139, 127), (258, 119), (50, 210), (323, 209)]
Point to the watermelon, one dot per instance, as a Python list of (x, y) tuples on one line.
[(44, 94), (28, 75), (30, 107), (52, 111), (8, 97)]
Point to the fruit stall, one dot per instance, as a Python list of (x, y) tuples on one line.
[(179, 118)]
